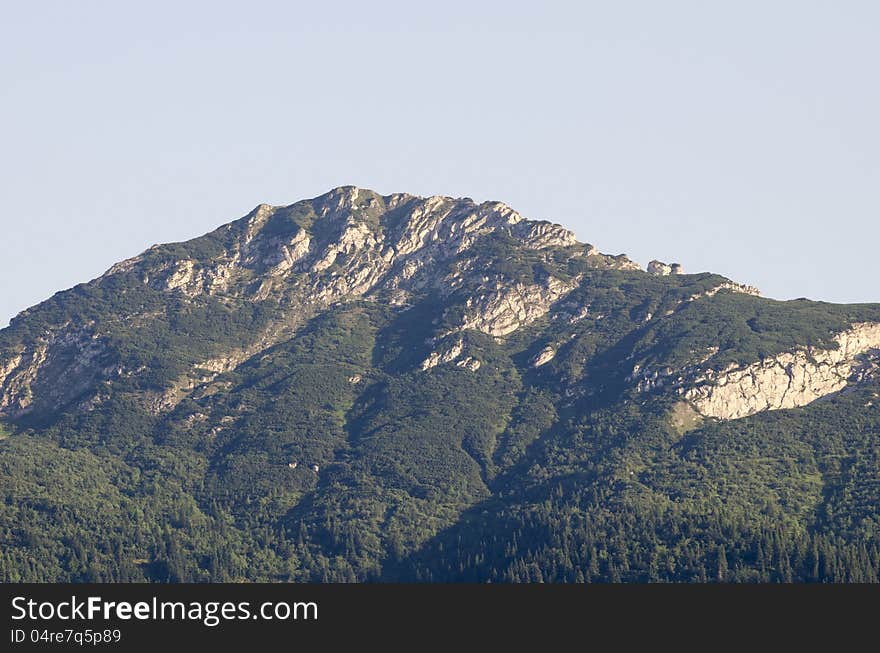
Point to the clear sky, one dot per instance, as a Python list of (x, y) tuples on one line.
[(738, 137)]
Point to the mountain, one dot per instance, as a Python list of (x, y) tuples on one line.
[(365, 387)]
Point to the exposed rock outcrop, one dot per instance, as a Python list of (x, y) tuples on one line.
[(539, 235), (790, 379), (544, 356), (505, 309), (58, 368), (436, 358), (727, 285), (661, 269), (368, 243), (469, 363)]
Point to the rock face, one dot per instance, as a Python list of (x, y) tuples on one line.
[(538, 235), (367, 244), (469, 363), (436, 358), (502, 311), (788, 380), (728, 285), (544, 356), (57, 369), (661, 269)]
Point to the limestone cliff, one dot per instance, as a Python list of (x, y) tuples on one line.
[(57, 369), (788, 380), (503, 310), (661, 269)]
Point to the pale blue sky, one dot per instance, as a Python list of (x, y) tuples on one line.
[(738, 137)]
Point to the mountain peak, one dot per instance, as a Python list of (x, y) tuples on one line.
[(492, 270), (394, 384)]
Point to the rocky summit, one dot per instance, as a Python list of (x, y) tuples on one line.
[(364, 387)]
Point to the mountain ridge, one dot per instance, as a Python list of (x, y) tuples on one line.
[(275, 241), (369, 387), (384, 255)]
